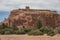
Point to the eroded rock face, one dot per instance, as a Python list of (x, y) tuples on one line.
[(28, 17)]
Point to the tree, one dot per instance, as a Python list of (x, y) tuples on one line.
[(14, 27), (4, 25), (38, 23)]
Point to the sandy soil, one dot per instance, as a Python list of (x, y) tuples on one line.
[(26, 37)]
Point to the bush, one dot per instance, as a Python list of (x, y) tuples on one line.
[(47, 30), (35, 32), (27, 29), (58, 29), (1, 31), (20, 31), (7, 31), (51, 33)]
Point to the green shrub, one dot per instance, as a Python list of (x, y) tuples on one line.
[(27, 29), (51, 33), (1, 31), (7, 31), (35, 32), (47, 30), (20, 31), (58, 29)]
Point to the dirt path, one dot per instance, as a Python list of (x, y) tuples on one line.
[(26, 37)]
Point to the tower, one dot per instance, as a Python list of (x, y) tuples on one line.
[(27, 7)]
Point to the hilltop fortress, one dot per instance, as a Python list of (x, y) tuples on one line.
[(27, 17)]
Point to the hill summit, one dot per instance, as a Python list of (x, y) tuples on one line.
[(27, 17)]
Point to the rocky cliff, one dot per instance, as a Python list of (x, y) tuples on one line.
[(27, 17)]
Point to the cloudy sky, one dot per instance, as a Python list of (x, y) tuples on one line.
[(8, 5), (12, 4)]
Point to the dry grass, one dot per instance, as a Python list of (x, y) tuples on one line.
[(27, 37)]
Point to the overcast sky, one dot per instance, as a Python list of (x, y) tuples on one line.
[(7, 5)]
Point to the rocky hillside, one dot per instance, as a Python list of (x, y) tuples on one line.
[(27, 17)]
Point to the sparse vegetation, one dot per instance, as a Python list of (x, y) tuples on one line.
[(40, 30), (35, 32), (47, 30), (20, 31), (51, 33)]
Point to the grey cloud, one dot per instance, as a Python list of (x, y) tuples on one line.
[(47, 4)]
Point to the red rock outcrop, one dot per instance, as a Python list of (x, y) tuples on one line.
[(27, 17)]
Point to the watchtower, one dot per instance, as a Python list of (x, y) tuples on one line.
[(27, 7)]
